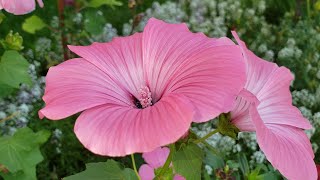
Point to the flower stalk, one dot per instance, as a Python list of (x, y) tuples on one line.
[(168, 161), (197, 141), (134, 166)]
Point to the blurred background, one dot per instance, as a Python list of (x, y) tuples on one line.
[(286, 32)]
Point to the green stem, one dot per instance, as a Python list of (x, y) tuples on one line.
[(134, 166), (308, 8), (206, 136), (168, 161)]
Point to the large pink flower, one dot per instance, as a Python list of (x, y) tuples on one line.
[(265, 106), (143, 91), (19, 7), (155, 159)]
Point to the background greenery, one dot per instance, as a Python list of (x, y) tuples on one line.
[(286, 32)]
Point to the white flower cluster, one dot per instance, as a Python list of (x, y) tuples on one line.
[(257, 157), (304, 98), (42, 46), (290, 51), (77, 19), (56, 137), (209, 169), (215, 19), (170, 11), (107, 34), (308, 101)]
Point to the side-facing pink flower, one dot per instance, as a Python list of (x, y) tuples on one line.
[(143, 91), (155, 159), (19, 7), (265, 106)]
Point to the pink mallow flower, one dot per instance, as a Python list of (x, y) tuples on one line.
[(265, 107), (140, 92), (19, 7), (155, 159)]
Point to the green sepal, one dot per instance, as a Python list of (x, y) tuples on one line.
[(226, 127), (12, 41)]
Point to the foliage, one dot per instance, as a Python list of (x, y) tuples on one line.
[(101, 170), (282, 32), (187, 161), (13, 72), (20, 153), (33, 24), (98, 3)]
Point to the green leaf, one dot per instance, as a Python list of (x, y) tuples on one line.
[(244, 165), (104, 170), (233, 164), (206, 176), (2, 17), (20, 153), (13, 70), (98, 3), (168, 175), (268, 176), (94, 22), (5, 90), (188, 161), (317, 5), (33, 24), (213, 160)]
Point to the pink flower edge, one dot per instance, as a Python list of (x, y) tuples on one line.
[(265, 106)]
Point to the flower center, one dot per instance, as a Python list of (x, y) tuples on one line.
[(144, 100)]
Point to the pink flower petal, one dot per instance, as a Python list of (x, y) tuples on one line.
[(178, 177), (119, 130), (157, 157), (276, 101), (277, 123), (146, 172), (18, 7), (240, 113), (270, 84), (210, 72), (40, 3), (120, 59), (76, 85), (287, 148)]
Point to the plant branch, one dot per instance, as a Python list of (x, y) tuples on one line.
[(168, 161), (61, 24), (206, 136), (9, 117)]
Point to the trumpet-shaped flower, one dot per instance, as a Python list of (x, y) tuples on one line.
[(155, 159), (19, 7), (141, 92), (265, 106)]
